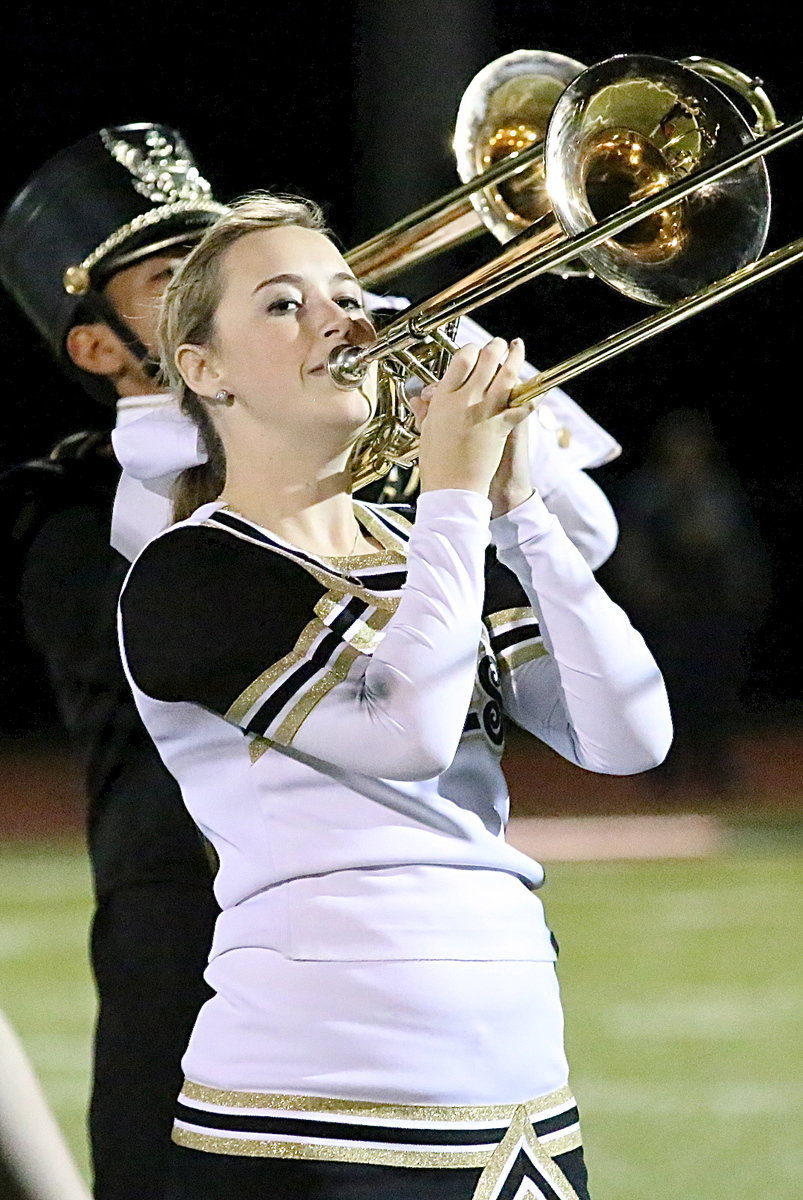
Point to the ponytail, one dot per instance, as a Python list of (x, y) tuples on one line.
[(204, 483)]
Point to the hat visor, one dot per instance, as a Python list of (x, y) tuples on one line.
[(172, 229)]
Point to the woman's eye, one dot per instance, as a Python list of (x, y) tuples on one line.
[(284, 306), (349, 302)]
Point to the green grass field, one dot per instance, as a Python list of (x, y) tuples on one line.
[(681, 982)]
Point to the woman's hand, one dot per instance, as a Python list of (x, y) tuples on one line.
[(465, 423), (512, 484)]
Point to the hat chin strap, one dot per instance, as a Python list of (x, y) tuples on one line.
[(106, 313)]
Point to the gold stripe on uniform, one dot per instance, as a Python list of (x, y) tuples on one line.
[(257, 747), (520, 1144), (324, 1106), (508, 661), (562, 1143), (378, 1156), (516, 655), (506, 616)]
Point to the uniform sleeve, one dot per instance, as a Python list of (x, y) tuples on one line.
[(68, 592), (209, 619), (586, 516), (574, 671)]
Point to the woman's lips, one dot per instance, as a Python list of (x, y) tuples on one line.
[(322, 368)]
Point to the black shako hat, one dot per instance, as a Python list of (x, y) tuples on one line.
[(116, 196)]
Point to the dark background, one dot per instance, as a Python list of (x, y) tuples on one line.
[(354, 105)]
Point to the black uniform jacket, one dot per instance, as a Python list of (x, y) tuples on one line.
[(67, 577)]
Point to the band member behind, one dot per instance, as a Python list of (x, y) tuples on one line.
[(86, 249)]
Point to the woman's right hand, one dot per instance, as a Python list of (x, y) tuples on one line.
[(465, 420)]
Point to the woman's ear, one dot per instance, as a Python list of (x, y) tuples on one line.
[(97, 349), (198, 369)]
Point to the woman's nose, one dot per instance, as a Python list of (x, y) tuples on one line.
[(335, 321), (348, 325)]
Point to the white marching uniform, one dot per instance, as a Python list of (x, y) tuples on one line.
[(336, 727)]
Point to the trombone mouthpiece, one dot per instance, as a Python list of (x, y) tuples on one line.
[(346, 367)]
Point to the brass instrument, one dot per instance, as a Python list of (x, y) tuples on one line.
[(659, 187), (498, 143)]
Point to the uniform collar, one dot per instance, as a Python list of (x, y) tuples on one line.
[(153, 438)]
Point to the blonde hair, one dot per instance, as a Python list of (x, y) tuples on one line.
[(188, 316)]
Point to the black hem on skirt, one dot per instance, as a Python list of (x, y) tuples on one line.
[(203, 1175)]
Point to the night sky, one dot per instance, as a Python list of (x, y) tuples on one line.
[(354, 105)]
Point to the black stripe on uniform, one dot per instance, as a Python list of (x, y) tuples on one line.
[(299, 675), (303, 1127), (554, 1124), (384, 581), (344, 620), (513, 637)]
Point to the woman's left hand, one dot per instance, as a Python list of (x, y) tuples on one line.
[(512, 484)]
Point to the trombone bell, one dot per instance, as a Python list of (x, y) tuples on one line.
[(625, 129), (506, 109)]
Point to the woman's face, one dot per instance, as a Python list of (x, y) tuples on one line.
[(289, 300)]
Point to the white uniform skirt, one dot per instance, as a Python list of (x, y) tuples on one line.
[(425, 1014)]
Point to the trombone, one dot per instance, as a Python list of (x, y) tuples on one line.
[(498, 143), (635, 128)]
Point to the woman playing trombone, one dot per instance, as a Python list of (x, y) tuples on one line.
[(329, 684)]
